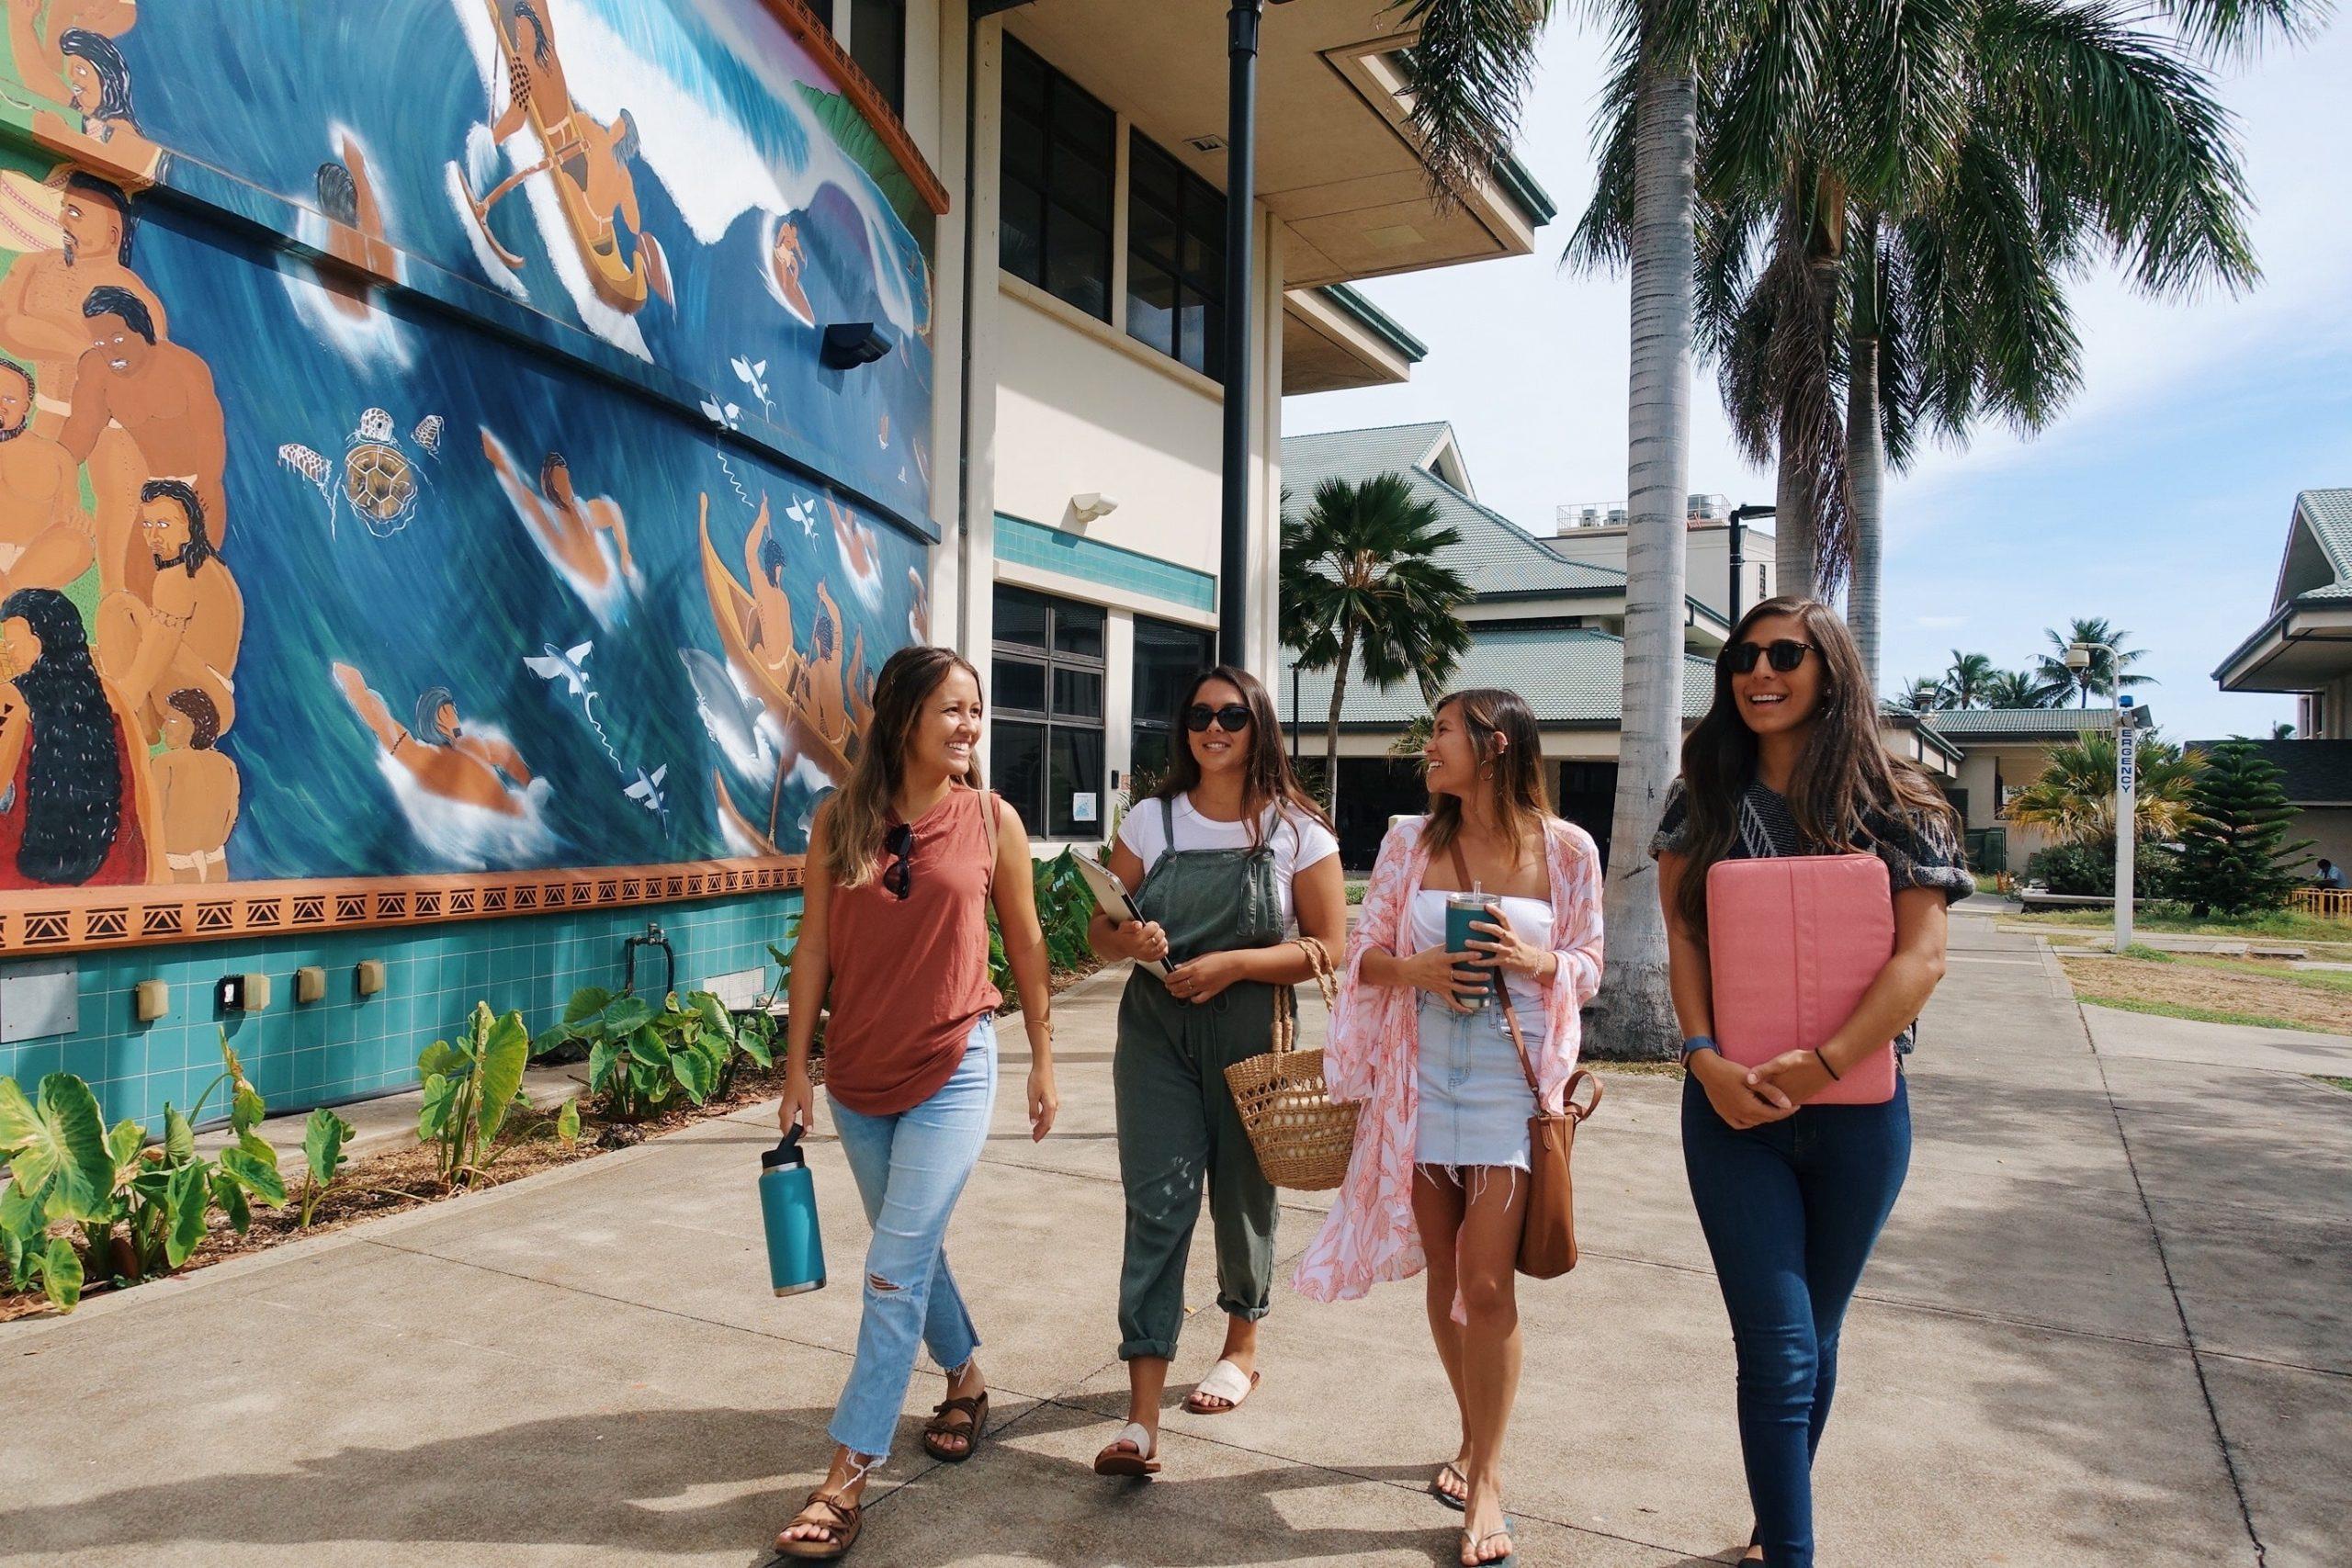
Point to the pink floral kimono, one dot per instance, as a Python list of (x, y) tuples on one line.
[(1375, 1049)]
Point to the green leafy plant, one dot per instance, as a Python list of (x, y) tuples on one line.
[(643, 1060), (472, 1089), (1065, 908), (324, 1137), (2239, 858), (85, 1201)]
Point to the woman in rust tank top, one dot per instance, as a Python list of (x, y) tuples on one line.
[(905, 861)]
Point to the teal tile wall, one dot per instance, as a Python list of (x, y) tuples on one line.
[(1050, 549), (346, 1046)]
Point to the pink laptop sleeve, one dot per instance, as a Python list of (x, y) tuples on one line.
[(1793, 943)]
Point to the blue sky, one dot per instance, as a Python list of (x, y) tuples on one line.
[(2159, 499)]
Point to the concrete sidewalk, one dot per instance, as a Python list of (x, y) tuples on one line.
[(2109, 1325)]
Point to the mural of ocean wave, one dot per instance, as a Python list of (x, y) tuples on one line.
[(692, 188)]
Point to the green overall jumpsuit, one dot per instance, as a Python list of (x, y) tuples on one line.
[(1177, 1122)]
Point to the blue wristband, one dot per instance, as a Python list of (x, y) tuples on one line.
[(1696, 1043)]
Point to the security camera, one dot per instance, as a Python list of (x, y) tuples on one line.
[(1093, 504)]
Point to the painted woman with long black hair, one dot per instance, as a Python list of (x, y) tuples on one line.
[(1791, 1196), (74, 792), (1224, 860)]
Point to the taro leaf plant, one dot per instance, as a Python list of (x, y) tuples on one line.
[(472, 1089), (324, 1137), (643, 1060), (1065, 908), (84, 1201)]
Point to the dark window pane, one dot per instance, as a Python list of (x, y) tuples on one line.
[(1213, 349), (1025, 148), (1025, 79), (1167, 659), (1156, 176), (1078, 262), (1077, 629), (1151, 305), (1020, 685), (1020, 617), (1021, 238), (1192, 331), (1077, 693), (1148, 762), (1083, 185), (1075, 769), (878, 41), (1081, 119), (1018, 768), (1151, 232)]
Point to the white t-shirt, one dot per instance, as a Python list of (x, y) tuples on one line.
[(1298, 841)]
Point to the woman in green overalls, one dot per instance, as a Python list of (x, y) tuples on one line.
[(1220, 860)]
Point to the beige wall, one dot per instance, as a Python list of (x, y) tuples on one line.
[(2330, 830), (1706, 561)]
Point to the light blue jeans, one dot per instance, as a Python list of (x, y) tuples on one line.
[(910, 1168)]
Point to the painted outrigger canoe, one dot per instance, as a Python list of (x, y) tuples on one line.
[(730, 608), (623, 284)]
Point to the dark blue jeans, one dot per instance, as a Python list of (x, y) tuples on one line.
[(1792, 1211)]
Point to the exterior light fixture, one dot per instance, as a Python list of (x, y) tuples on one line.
[(849, 344), (1093, 504)]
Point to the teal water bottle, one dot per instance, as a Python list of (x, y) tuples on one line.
[(789, 1211)]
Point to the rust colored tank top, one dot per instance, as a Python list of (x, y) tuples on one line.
[(910, 976)]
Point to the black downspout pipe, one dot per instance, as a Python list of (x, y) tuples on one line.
[(1240, 234)]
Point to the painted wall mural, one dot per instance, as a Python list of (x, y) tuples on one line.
[(316, 561)]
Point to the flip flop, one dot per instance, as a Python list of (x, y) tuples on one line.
[(1145, 1460), (1437, 1486), (1510, 1559), (1225, 1382)]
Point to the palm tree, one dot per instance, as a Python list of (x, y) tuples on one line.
[(1362, 588), (2073, 799), (1968, 681), (1470, 68), (2282, 730), (2100, 677), (2021, 689), (1897, 196)]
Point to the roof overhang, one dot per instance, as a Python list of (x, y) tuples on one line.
[(2304, 647), (1335, 339), (1338, 159)]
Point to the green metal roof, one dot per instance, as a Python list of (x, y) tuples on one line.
[(1573, 676), (2327, 514), (1375, 320), (1519, 183), (1964, 724)]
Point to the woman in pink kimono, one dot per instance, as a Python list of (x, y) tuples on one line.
[(1438, 1178)]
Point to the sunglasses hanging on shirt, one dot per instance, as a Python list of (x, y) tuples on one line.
[(1783, 655), (898, 876), (1233, 717)]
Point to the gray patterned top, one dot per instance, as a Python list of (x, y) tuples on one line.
[(1918, 852)]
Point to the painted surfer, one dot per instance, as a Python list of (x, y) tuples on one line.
[(856, 541), (45, 536), (475, 770), (787, 256), (84, 69), (588, 161), (76, 790), (568, 526), (162, 396), (42, 292), (198, 790), (767, 631), (348, 199), (817, 688), (185, 635)]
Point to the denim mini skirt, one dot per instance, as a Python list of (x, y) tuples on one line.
[(1475, 1102)]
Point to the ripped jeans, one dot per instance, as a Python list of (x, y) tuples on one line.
[(910, 1168)]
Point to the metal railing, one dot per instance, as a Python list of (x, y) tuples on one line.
[(2321, 902)]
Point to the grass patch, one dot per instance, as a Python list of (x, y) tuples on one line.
[(2344, 1084), (2148, 954), (1636, 1070), (2174, 918), (2182, 1009), (1356, 890)]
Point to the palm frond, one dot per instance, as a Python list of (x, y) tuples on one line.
[(1469, 69)]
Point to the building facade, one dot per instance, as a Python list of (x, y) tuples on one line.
[(467, 459)]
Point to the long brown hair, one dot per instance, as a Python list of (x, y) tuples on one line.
[(1266, 777), (856, 815), (1844, 778), (1509, 750)]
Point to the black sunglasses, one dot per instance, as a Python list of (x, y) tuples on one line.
[(1233, 715), (1783, 655), (899, 877)]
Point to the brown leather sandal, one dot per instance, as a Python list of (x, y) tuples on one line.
[(1140, 1458), (941, 1425), (840, 1530)]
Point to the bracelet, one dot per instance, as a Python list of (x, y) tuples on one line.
[(1696, 1043), (1826, 1067)]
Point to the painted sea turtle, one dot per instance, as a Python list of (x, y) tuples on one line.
[(378, 479)]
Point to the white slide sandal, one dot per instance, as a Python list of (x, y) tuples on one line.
[(1226, 1382)]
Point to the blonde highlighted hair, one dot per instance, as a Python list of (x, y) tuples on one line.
[(857, 815)]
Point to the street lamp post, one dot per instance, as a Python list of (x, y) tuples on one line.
[(2079, 658)]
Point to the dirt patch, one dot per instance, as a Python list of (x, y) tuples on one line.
[(2249, 992)]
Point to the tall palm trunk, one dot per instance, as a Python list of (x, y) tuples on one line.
[(1331, 724), (1810, 498), (1634, 1015), (1865, 450)]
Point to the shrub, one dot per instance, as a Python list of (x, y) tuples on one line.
[(2088, 870), (1065, 908), (642, 1061), (2238, 858), (471, 1089)]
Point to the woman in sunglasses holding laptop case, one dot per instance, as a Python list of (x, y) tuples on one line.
[(1791, 1196), (905, 861), (1220, 860)]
